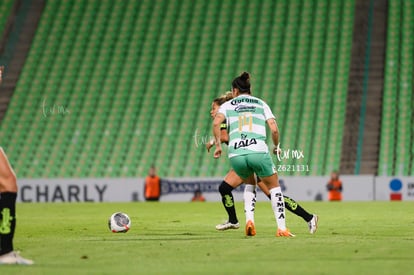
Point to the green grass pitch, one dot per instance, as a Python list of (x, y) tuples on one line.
[(180, 238)]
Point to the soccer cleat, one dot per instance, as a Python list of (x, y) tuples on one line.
[(227, 225), (284, 233), (313, 224), (250, 230), (14, 258)]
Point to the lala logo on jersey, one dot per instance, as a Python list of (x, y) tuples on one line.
[(244, 142)]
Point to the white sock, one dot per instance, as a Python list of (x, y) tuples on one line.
[(249, 196), (278, 207)]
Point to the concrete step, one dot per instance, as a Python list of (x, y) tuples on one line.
[(370, 148), (21, 49)]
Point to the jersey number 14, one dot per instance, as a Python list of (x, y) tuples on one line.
[(245, 119)]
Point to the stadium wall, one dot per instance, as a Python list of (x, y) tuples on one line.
[(301, 188)]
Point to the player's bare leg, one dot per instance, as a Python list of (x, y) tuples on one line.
[(1, 73), (8, 195)]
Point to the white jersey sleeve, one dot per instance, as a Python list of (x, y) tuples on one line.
[(267, 112)]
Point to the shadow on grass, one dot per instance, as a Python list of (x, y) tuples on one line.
[(185, 236)]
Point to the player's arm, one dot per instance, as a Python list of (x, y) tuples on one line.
[(224, 138), (218, 120), (1, 73), (274, 130)]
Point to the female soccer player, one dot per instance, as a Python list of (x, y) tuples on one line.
[(246, 117), (8, 195), (232, 180)]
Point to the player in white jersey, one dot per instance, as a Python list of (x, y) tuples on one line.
[(246, 118), (232, 180)]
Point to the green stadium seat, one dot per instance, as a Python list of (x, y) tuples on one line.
[(395, 156), (139, 76)]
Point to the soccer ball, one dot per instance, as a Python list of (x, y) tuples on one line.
[(119, 222)]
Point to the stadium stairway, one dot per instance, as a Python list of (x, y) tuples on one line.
[(7, 13), (373, 76), (372, 124), (7, 10), (17, 45)]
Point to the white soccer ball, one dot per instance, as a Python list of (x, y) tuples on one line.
[(119, 222)]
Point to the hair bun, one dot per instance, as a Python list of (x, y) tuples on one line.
[(242, 82), (245, 76)]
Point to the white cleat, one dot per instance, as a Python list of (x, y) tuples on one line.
[(14, 258), (313, 224), (227, 225)]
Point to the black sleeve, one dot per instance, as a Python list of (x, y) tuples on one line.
[(160, 187)]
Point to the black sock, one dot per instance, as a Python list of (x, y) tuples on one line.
[(295, 208), (7, 221), (228, 201)]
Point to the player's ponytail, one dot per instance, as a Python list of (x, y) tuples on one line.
[(223, 98), (227, 96), (242, 83)]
